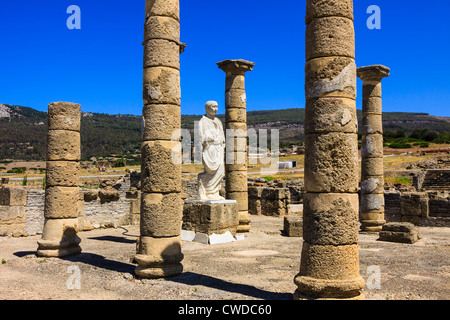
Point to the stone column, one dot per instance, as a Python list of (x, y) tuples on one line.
[(236, 151), (159, 246), (59, 237), (372, 172), (329, 267)]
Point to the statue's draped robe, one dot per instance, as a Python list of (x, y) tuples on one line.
[(213, 142)]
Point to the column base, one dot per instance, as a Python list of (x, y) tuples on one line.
[(244, 222), (156, 272), (329, 272), (372, 226), (59, 238), (159, 257), (322, 289), (58, 249)]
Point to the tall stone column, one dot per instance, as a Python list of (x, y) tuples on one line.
[(236, 119), (372, 172), (159, 247), (59, 237), (329, 267)]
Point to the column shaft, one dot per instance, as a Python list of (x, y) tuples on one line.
[(372, 171), (159, 248), (236, 126), (61, 209), (329, 262)]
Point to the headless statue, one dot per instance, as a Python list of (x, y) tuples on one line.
[(213, 148)]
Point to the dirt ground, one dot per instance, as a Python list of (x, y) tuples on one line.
[(262, 266)]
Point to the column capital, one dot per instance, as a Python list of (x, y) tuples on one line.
[(236, 66), (374, 73)]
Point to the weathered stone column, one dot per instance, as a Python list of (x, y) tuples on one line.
[(329, 265), (372, 172), (159, 247), (59, 237), (236, 119)]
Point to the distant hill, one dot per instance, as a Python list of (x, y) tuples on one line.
[(23, 130), (23, 133), (290, 122)]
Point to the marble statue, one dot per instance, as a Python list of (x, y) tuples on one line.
[(213, 148)]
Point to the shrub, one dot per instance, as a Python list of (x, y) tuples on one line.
[(17, 170), (430, 136), (400, 145), (120, 163)]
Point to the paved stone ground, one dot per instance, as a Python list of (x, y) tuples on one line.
[(260, 267)]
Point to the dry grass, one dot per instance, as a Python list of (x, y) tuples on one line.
[(402, 181), (398, 162), (392, 162)]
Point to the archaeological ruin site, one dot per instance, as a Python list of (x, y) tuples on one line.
[(341, 231)]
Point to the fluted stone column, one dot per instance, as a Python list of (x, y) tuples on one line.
[(329, 265), (372, 171), (59, 237), (159, 247), (236, 152)]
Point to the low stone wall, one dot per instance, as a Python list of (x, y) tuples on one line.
[(436, 180), (34, 211), (268, 201), (419, 208), (12, 211), (104, 208), (22, 209), (439, 208)]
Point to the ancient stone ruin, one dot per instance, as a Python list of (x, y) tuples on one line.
[(59, 237), (164, 205), (403, 232), (159, 248), (12, 211), (372, 171), (329, 259), (236, 127)]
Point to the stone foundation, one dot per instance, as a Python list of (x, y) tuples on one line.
[(22, 209), (293, 226), (402, 232), (12, 211), (268, 201), (431, 209), (211, 217)]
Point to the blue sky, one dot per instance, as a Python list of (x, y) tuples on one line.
[(100, 66)]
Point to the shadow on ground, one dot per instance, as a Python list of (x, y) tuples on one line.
[(101, 262), (187, 278), (195, 279), (114, 239)]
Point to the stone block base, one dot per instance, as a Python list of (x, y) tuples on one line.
[(372, 222), (293, 226), (244, 222), (59, 238), (329, 272), (402, 232), (211, 217), (158, 257)]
